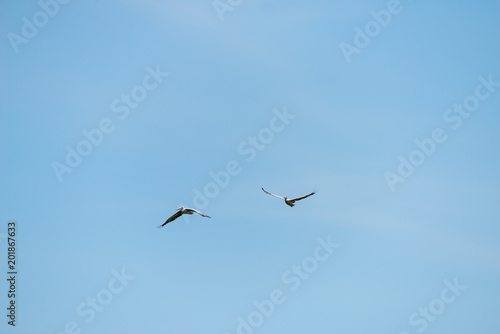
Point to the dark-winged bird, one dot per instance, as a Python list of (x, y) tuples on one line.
[(183, 211)]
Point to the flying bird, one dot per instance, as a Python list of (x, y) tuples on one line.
[(183, 211), (289, 201)]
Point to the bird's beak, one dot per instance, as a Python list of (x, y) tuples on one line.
[(178, 208)]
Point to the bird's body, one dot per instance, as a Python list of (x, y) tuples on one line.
[(289, 201), (182, 211)]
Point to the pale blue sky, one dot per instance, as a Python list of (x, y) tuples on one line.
[(227, 80)]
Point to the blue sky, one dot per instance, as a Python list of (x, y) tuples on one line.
[(420, 255)]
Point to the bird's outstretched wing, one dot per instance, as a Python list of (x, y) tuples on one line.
[(201, 214), (267, 192), (299, 198), (172, 218)]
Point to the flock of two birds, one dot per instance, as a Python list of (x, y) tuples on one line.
[(187, 211)]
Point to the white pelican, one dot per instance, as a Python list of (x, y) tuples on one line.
[(182, 211), (291, 200)]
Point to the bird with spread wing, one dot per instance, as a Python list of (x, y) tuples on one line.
[(289, 201), (182, 211)]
